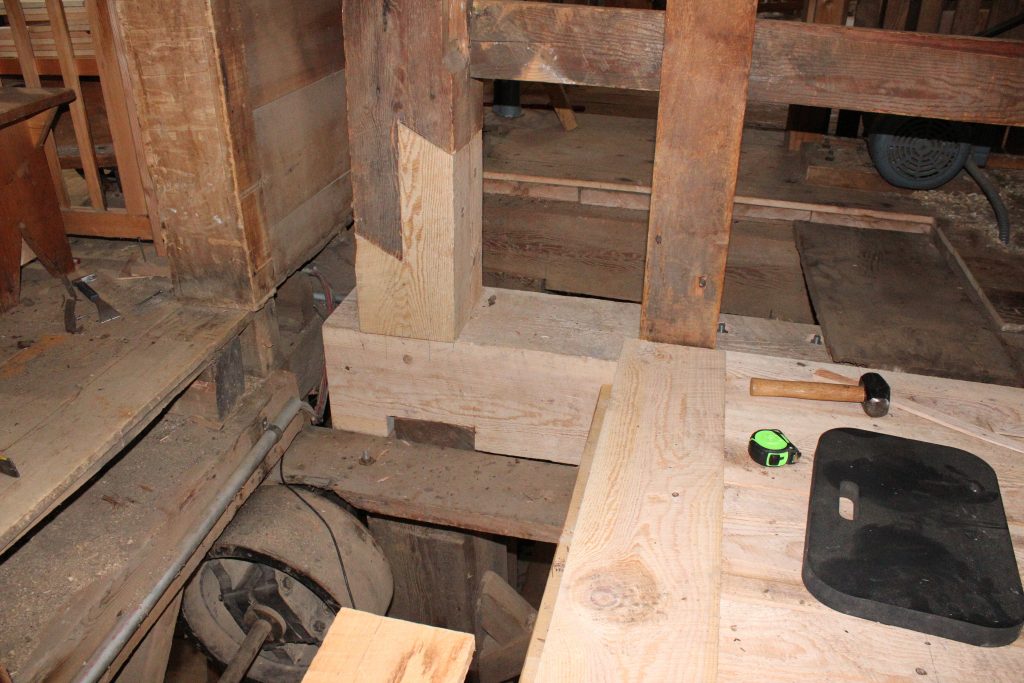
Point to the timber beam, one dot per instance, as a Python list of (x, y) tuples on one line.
[(524, 374), (415, 119), (948, 77)]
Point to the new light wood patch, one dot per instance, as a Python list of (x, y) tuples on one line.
[(367, 648), (638, 599), (429, 292), (524, 373)]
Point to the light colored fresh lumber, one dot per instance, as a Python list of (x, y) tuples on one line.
[(525, 372), (522, 374), (638, 599), (429, 292), (547, 605), (772, 629), (367, 648), (414, 123)]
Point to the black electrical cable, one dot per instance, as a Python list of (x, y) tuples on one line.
[(334, 540), (992, 193), (1003, 27)]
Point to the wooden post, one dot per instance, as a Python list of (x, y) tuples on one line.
[(706, 62), (196, 151), (807, 124), (415, 136)]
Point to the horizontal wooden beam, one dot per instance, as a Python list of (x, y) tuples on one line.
[(49, 66), (946, 77), (112, 223), (424, 483)]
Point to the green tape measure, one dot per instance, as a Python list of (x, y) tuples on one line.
[(771, 448)]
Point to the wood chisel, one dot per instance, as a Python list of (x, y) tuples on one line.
[(105, 310)]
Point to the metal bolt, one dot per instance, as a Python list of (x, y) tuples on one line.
[(816, 340), (319, 626), (366, 458), (264, 423)]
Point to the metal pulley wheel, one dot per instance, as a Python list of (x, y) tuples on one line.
[(276, 561)]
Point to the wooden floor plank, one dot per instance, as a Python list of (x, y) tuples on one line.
[(772, 629), (115, 539), (890, 300), (554, 584), (639, 595), (447, 486), (373, 649), (73, 402)]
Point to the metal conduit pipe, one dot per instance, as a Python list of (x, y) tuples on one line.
[(98, 664)]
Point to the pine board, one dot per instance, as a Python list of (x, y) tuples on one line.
[(373, 649), (638, 599)]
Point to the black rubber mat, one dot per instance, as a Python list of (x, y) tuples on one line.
[(920, 540)]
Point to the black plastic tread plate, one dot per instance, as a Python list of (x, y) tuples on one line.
[(927, 547)]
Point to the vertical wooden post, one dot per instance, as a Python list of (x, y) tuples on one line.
[(415, 135), (79, 117), (706, 64), (187, 113), (29, 71), (807, 124)]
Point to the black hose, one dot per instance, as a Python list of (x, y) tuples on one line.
[(992, 192), (1003, 27)]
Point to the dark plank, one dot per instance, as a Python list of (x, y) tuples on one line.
[(455, 488), (289, 45), (114, 540), (968, 79), (889, 300), (20, 103), (805, 124), (29, 210), (437, 572), (599, 251), (696, 163), (184, 65)]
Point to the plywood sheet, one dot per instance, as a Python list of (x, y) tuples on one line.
[(890, 300)]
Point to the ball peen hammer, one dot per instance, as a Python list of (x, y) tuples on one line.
[(872, 393)]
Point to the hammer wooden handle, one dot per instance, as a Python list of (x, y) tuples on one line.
[(815, 391)]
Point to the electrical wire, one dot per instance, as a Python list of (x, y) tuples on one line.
[(992, 193), (334, 539), (321, 398)]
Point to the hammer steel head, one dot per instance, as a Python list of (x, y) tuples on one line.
[(876, 394)]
